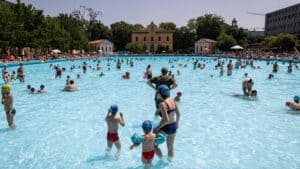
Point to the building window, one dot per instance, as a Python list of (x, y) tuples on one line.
[(152, 39), (167, 38), (159, 38), (136, 39), (145, 38)]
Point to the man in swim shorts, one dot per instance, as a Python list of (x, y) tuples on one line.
[(163, 79), (7, 101), (113, 121), (148, 143)]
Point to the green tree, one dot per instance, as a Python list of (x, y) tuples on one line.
[(137, 27), (254, 39), (8, 26), (121, 34), (27, 19), (224, 42), (286, 42), (134, 47), (168, 26), (184, 40), (209, 26), (76, 28), (237, 33), (97, 30), (51, 35)]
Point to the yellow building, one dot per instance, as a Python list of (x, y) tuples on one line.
[(152, 37)]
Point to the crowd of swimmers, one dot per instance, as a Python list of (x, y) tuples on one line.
[(165, 106)]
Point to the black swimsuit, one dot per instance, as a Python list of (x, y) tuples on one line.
[(169, 128)]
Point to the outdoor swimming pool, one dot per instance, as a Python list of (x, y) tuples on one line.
[(67, 130)]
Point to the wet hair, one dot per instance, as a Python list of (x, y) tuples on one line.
[(42, 86), (32, 89), (164, 71), (28, 87), (71, 81), (68, 76), (254, 93)]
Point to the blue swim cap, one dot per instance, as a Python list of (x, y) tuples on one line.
[(147, 126), (114, 109), (164, 90), (296, 98)]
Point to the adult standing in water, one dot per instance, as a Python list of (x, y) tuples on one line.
[(229, 68), (169, 122), (21, 73), (163, 79)]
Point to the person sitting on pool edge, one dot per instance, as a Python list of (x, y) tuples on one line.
[(294, 105), (42, 89), (113, 122), (147, 144), (7, 101), (71, 87)]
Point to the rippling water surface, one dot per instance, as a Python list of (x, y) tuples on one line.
[(67, 130)]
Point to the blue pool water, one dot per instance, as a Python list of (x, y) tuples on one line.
[(67, 130)]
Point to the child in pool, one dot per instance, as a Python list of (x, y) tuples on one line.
[(295, 105), (148, 143), (113, 122)]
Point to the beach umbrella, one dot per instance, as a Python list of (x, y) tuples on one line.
[(236, 47), (55, 51)]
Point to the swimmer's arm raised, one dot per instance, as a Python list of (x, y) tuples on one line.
[(122, 122)]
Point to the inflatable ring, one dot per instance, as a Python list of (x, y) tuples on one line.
[(160, 138), (136, 139)]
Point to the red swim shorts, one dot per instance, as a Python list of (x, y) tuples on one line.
[(112, 137), (148, 155)]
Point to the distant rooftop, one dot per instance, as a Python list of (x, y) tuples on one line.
[(292, 6)]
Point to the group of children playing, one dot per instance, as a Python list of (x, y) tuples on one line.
[(148, 139)]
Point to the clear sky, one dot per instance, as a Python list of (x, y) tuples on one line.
[(177, 11)]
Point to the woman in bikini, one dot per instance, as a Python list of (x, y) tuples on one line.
[(169, 122)]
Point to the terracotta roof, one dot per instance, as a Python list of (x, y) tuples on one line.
[(95, 42), (207, 40)]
